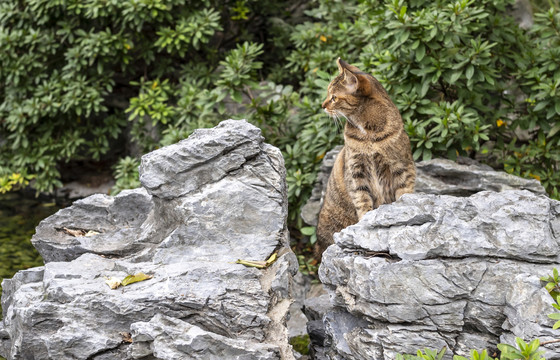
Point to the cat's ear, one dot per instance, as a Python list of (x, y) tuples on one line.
[(351, 81), (340, 64)]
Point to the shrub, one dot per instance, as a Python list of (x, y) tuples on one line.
[(467, 80)]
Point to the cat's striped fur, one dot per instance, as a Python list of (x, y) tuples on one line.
[(375, 166)]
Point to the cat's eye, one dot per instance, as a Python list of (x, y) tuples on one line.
[(333, 99)]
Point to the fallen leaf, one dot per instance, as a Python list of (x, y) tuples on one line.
[(91, 233), (126, 336), (259, 264), (130, 279), (113, 282), (251, 263), (271, 259), (74, 232)]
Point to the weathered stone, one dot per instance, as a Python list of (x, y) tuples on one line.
[(170, 338), (184, 167), (316, 307), (207, 202), (446, 177), (115, 220), (437, 270), (437, 176)]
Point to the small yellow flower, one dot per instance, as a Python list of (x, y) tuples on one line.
[(500, 122), (323, 38)]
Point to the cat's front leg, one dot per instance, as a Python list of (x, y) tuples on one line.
[(363, 196)]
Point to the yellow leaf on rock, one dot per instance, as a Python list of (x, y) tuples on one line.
[(259, 264), (130, 279)]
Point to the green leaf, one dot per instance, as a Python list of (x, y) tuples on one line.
[(554, 316), (308, 230), (237, 96), (420, 52), (541, 105), (553, 131), (417, 154), (425, 87), (470, 71), (456, 75)]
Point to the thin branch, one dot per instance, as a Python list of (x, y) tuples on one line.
[(550, 342)]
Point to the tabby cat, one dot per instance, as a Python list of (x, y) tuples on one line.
[(375, 165)]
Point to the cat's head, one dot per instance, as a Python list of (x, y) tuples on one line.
[(349, 90)]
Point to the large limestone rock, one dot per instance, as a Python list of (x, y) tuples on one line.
[(439, 270), (210, 200)]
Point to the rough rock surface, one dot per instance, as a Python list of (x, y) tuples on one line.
[(210, 200), (437, 176), (438, 270)]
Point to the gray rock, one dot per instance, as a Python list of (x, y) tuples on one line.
[(115, 221), (187, 232), (446, 177), (169, 338), (315, 308), (437, 176), (438, 270), (184, 167)]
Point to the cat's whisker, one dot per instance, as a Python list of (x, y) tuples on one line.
[(338, 123)]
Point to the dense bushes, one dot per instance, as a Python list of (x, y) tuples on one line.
[(78, 78)]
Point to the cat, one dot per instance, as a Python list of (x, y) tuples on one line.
[(375, 166)]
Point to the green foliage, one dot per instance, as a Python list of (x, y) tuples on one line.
[(310, 231), (426, 354), (77, 76), (475, 355), (507, 352), (553, 287), (307, 265), (126, 173), (14, 182), (524, 351), (552, 283), (300, 344)]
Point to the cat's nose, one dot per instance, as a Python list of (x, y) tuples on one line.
[(324, 104)]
